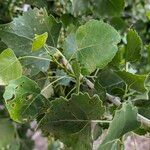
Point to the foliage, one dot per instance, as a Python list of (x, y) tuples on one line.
[(64, 63)]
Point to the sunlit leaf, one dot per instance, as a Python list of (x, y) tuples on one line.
[(10, 67)]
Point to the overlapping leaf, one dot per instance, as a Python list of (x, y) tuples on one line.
[(133, 47), (109, 7), (10, 67), (19, 34), (134, 81), (8, 135), (71, 116), (95, 45), (125, 120), (23, 99)]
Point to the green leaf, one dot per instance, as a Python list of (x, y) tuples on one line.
[(39, 41), (125, 120), (65, 78), (23, 99), (2, 46), (79, 7), (19, 34), (10, 67), (70, 46), (113, 145), (106, 8), (38, 3), (100, 90), (133, 47), (112, 83), (96, 45), (118, 23), (79, 140), (8, 135), (148, 51), (77, 71), (71, 116), (144, 111), (134, 81)]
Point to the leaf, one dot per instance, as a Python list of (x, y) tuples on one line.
[(77, 71), (148, 51), (39, 41), (117, 61), (65, 78), (79, 6), (118, 23), (112, 83), (38, 3), (100, 90), (79, 140), (10, 67), (70, 117), (23, 99), (133, 47), (19, 34), (134, 81), (8, 135), (147, 82), (113, 145), (124, 121), (96, 45), (70, 46), (2, 46), (144, 111), (106, 8)]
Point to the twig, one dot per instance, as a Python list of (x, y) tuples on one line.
[(115, 100)]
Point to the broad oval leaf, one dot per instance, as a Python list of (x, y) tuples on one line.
[(10, 67), (72, 115), (23, 99), (95, 46), (72, 119)]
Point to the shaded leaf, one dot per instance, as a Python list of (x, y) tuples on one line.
[(109, 80), (23, 99), (10, 67), (70, 46), (134, 81), (77, 71), (113, 145), (19, 34), (2, 46), (65, 78), (8, 135), (133, 47), (118, 23), (100, 90), (71, 117), (79, 6), (108, 8)]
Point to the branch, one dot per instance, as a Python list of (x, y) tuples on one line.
[(115, 100)]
